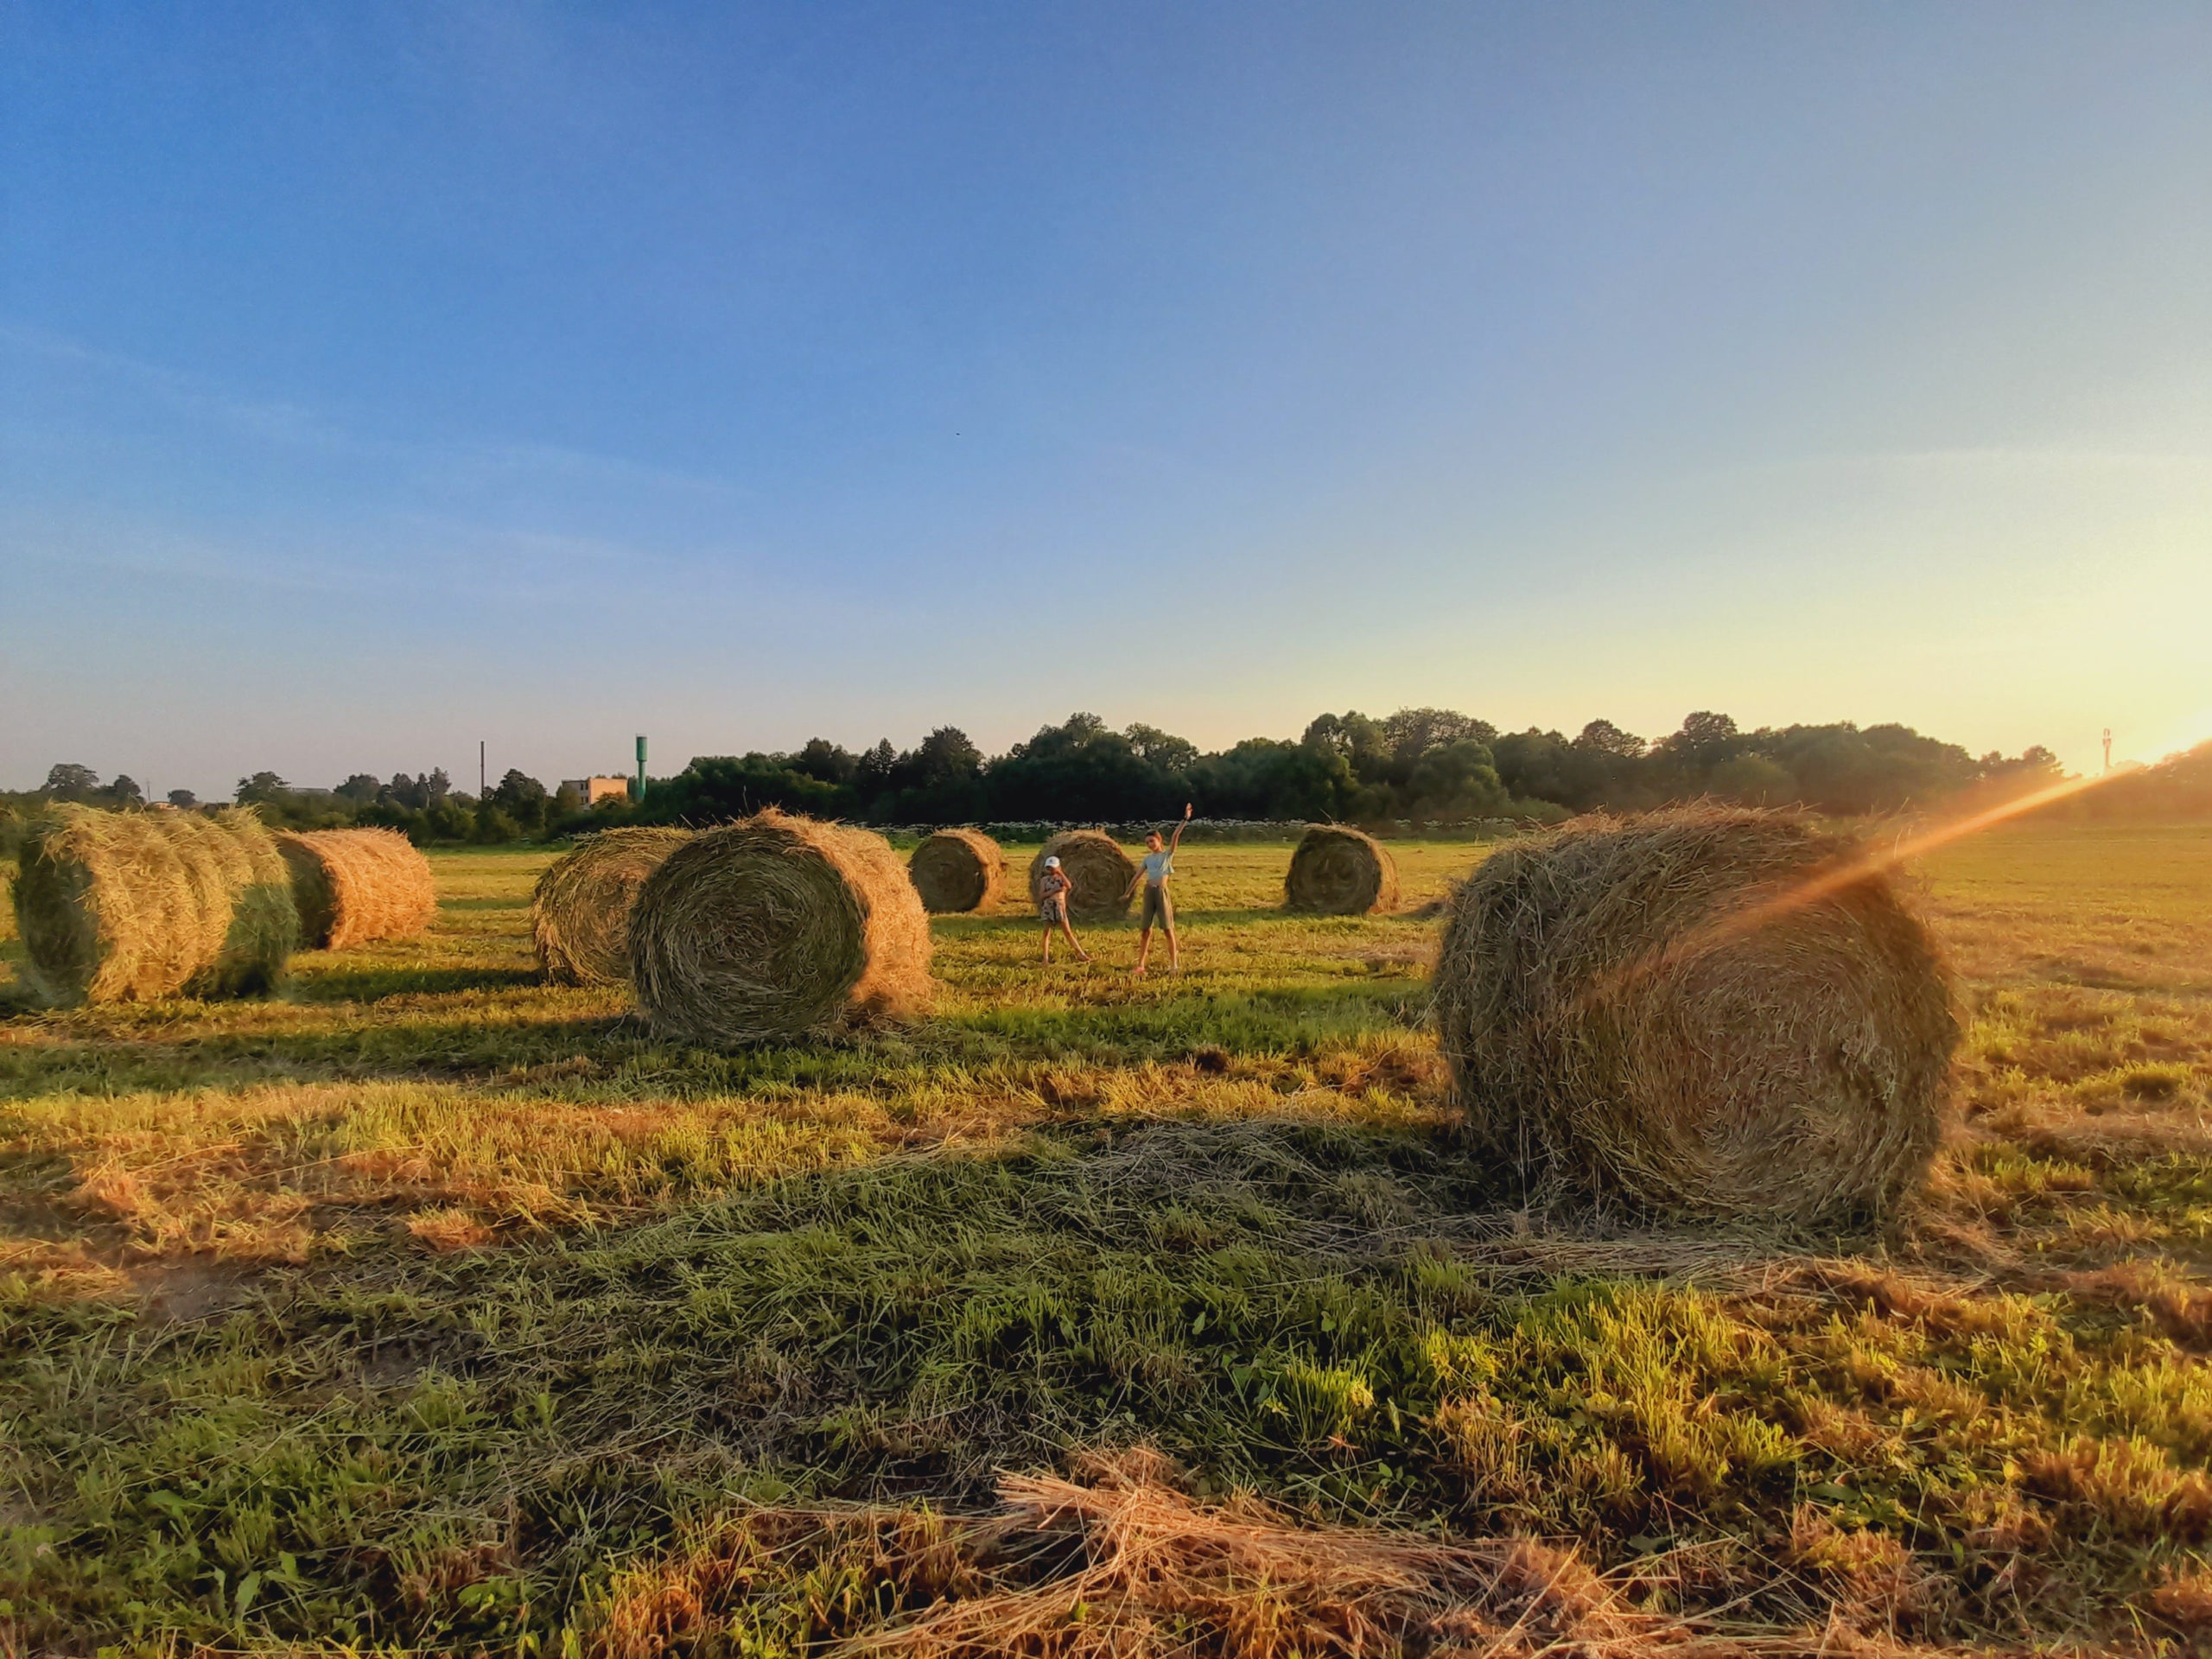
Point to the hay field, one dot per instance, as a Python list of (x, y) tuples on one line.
[(436, 1309)]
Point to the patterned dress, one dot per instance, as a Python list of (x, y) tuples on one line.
[(1052, 897)]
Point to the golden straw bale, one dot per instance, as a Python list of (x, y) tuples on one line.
[(250, 903), (776, 926), (1338, 871), (1710, 1012), (351, 886), (957, 870), (579, 913), (116, 907), (1099, 869)]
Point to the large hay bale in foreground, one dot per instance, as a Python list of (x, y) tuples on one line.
[(122, 906), (579, 911), (776, 926), (1707, 1011), (352, 886), (957, 870), (1096, 864), (1337, 871)]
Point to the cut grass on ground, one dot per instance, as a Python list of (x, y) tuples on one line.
[(434, 1309)]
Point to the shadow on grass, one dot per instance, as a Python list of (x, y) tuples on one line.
[(1287, 1022), (357, 1031), (372, 982), (466, 1047)]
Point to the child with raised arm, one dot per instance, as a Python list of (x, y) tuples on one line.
[(1159, 864)]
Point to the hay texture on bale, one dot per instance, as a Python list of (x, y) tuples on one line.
[(352, 886), (957, 870), (1708, 1013), (1098, 869), (579, 912), (778, 926), (1339, 872), (128, 906)]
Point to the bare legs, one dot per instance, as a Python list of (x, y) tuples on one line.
[(1144, 944), (1073, 943)]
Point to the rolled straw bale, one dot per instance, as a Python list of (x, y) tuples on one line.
[(957, 870), (351, 886), (775, 926), (116, 907), (579, 913), (1708, 1012), (1340, 872), (263, 928), (1096, 864)]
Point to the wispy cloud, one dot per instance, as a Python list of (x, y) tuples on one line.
[(281, 424)]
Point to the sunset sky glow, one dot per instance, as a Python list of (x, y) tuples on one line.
[(377, 379)]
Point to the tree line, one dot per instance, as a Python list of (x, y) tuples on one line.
[(1417, 768)]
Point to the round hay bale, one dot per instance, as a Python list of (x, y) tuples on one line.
[(1340, 872), (957, 870), (1705, 1012), (123, 907), (263, 929), (352, 886), (1096, 864), (776, 926), (579, 912)]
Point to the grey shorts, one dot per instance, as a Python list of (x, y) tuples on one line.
[(1157, 907), (1053, 911)]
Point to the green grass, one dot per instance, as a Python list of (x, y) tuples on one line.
[(430, 1307)]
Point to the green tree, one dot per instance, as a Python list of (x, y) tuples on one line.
[(947, 757), (1706, 740), (70, 782), (493, 827), (1262, 778), (524, 800), (830, 762), (1754, 780), (1457, 780), (1603, 737), (1082, 771), (1361, 744), (1163, 751), (1412, 732)]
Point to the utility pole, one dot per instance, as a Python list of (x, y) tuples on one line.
[(479, 769), (2107, 748)]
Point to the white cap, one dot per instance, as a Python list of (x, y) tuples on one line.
[(1052, 863)]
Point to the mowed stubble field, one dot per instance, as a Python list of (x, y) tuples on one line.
[(432, 1308)]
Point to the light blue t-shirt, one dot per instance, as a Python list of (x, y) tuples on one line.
[(1158, 866)]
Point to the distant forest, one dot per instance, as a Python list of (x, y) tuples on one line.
[(1419, 769)]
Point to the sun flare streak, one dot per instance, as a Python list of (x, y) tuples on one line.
[(1875, 861)]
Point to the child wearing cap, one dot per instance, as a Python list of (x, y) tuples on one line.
[(1052, 890)]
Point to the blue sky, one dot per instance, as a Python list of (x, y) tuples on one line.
[(377, 380)]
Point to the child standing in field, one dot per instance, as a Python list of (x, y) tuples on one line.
[(1052, 890), (1159, 864)]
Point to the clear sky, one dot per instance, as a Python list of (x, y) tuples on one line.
[(377, 378)]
